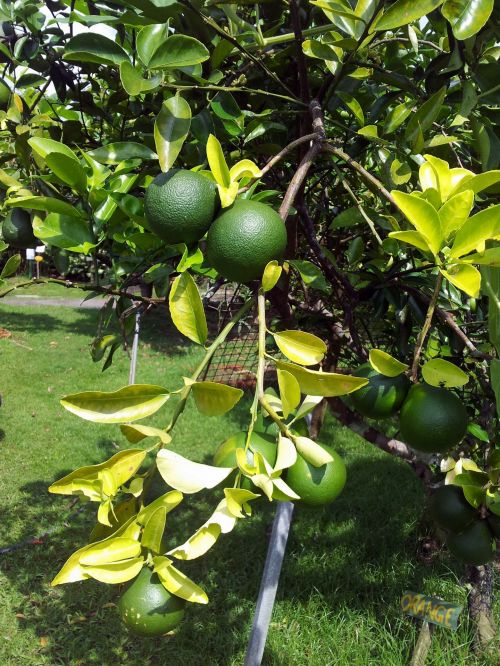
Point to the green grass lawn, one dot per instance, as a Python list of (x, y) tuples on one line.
[(346, 567)]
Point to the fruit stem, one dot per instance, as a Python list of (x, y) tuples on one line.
[(425, 328), (261, 364)]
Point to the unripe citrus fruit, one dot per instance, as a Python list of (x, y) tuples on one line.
[(382, 396), (17, 230), (450, 510), (244, 238), (5, 93), (474, 545), (225, 455), (180, 205), (148, 608), (432, 419), (317, 485)]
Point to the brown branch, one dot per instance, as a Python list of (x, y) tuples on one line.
[(301, 61), (425, 328), (298, 179)]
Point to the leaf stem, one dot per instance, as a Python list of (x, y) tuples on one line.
[(425, 328)]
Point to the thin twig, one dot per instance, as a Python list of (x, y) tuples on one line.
[(425, 328), (298, 179)]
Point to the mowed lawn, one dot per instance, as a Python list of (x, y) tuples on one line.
[(346, 566)]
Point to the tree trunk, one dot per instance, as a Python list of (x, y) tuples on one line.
[(479, 604)]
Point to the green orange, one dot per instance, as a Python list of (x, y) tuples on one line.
[(244, 238), (5, 93), (147, 608), (317, 486), (17, 230), (449, 508), (474, 545), (180, 205), (382, 396), (432, 419)]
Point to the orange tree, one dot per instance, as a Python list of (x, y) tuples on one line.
[(339, 159)]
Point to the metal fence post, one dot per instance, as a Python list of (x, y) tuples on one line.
[(135, 347)]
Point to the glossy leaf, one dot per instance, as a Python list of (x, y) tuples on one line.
[(422, 216), (465, 277), (478, 183), (198, 544), (115, 572), (149, 39), (11, 266), (271, 275), (93, 47), (114, 153), (490, 257), (186, 475), (171, 129), (168, 501), (386, 364), (243, 169), (130, 403), (178, 51), (476, 231), (66, 232), (455, 212), (289, 392), (301, 347), (186, 309), (327, 384), (67, 170), (312, 452), (414, 238), (214, 399), (47, 204), (307, 406), (43, 147), (217, 162), (422, 119), (287, 454), (403, 12), (467, 17), (111, 550), (177, 583), (137, 432), (438, 372), (134, 83), (153, 530)]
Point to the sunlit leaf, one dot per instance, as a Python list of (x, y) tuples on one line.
[(171, 129), (301, 347), (111, 550), (327, 384), (403, 12), (137, 432), (414, 238), (386, 364), (115, 572), (476, 231), (422, 216), (186, 475), (271, 275), (217, 162), (153, 530), (465, 277), (177, 583), (312, 452), (287, 454), (186, 309), (467, 17), (438, 372), (289, 391), (214, 399), (455, 212)]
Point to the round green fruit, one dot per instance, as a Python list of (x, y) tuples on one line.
[(225, 455), (244, 238), (450, 510), (382, 396), (474, 545), (147, 608), (5, 93), (432, 419), (17, 230), (317, 486), (180, 205)]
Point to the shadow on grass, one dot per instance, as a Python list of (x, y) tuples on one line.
[(356, 553)]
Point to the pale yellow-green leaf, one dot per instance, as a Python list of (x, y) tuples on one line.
[(464, 277), (307, 406), (454, 213), (135, 433), (300, 347), (478, 183), (227, 195), (289, 391), (412, 238), (490, 257), (177, 583), (271, 275), (476, 231), (116, 572), (123, 464), (423, 216), (130, 403), (237, 498), (287, 454), (458, 178), (186, 475), (285, 489), (169, 501), (108, 481), (198, 544), (186, 309), (438, 372), (243, 169), (153, 530), (214, 399), (111, 550), (217, 162), (223, 516), (243, 464), (427, 177), (386, 364), (103, 513), (442, 171), (136, 486), (263, 482), (327, 384), (312, 452)]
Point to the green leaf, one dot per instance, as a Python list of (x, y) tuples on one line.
[(243, 169), (438, 372), (133, 83), (177, 583), (300, 347), (287, 454), (386, 364), (317, 49), (186, 309), (214, 399), (476, 231), (186, 475), (289, 392), (476, 431), (44, 147), (149, 39), (198, 544), (327, 384), (478, 183), (403, 12), (426, 114), (271, 275), (178, 51), (311, 274), (93, 47), (171, 129), (47, 204), (467, 17), (312, 452), (67, 170), (114, 153), (495, 381), (168, 500), (217, 162), (422, 216), (153, 530), (307, 406), (116, 572), (397, 116), (111, 550), (490, 257), (464, 277), (137, 432), (354, 106), (11, 266), (69, 233), (455, 212), (414, 238), (130, 403)]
